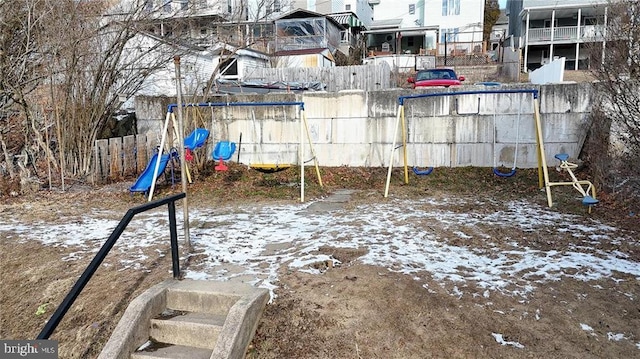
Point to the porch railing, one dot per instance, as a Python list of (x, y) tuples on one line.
[(588, 33)]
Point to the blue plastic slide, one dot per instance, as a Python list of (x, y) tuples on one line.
[(143, 183)]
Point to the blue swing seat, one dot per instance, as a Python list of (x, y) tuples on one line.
[(223, 150), (497, 172), (196, 139), (424, 172), (589, 201)]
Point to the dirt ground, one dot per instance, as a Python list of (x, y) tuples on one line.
[(351, 309)]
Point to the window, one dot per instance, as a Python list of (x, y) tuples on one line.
[(412, 9), (167, 6), (257, 31), (347, 7), (276, 6), (262, 31), (229, 67), (229, 8), (450, 7), (410, 42), (344, 37), (449, 35)]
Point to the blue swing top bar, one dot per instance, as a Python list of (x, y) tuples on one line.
[(455, 93), (235, 104)]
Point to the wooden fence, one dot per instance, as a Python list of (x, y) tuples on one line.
[(364, 77), (119, 157)]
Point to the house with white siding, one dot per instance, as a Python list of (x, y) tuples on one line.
[(460, 24), (549, 29), (427, 26), (237, 64)]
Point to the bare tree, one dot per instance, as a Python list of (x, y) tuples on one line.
[(615, 133), (21, 62), (99, 61), (20, 28), (71, 63)]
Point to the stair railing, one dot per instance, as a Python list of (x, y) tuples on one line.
[(55, 319)]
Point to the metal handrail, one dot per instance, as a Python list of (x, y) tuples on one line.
[(57, 316)]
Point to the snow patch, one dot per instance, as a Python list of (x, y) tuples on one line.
[(499, 338)]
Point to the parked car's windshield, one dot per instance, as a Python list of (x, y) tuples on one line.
[(435, 74)]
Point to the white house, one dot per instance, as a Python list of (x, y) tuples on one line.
[(196, 65), (237, 64), (263, 9), (431, 25), (460, 22), (410, 13)]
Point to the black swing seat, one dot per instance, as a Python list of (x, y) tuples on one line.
[(589, 201), (270, 167)]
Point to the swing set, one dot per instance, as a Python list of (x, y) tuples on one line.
[(224, 149), (584, 187)]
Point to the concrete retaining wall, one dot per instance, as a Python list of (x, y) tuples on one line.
[(356, 128)]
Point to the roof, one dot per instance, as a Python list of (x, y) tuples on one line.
[(389, 23), (218, 49), (175, 43), (406, 31), (347, 18), (563, 10), (301, 52), (303, 14)]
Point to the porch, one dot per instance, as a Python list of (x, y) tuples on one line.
[(566, 34)]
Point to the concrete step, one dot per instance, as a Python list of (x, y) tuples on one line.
[(205, 297), (189, 319), (172, 352), (199, 330)]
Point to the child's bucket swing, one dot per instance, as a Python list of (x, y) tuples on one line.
[(417, 170), (224, 149), (496, 170)]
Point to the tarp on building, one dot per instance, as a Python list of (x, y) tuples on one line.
[(257, 86)]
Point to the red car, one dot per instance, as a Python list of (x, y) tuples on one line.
[(436, 77)]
